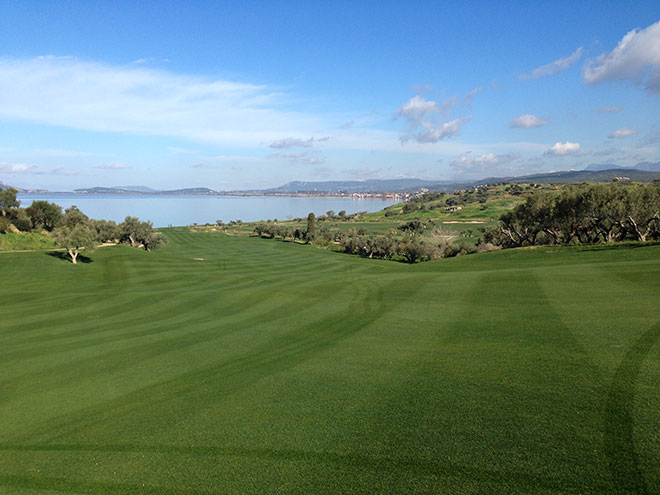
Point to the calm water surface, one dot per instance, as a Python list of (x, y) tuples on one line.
[(164, 211)]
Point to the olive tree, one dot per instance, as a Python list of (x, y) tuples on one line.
[(106, 230), (8, 200), (138, 233), (75, 233), (44, 215)]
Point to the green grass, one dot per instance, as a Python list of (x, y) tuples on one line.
[(465, 223), (272, 367), (25, 240)]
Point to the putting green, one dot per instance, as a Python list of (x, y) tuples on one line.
[(240, 365)]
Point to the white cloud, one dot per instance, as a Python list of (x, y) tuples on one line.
[(24, 168), (112, 166), (447, 129), (418, 110), (470, 96), (526, 121), (16, 168), (484, 164), (563, 149), (291, 142), (636, 57), (427, 119), (64, 91), (553, 68), (623, 132)]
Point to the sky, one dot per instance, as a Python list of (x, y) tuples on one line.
[(248, 95)]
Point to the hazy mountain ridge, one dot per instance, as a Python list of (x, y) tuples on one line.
[(354, 186), (571, 176), (644, 166), (143, 190), (593, 173)]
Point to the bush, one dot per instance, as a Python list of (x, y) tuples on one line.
[(5, 225), (21, 220)]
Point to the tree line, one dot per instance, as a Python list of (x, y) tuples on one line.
[(412, 246), (581, 214), (72, 229)]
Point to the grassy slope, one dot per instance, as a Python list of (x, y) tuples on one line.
[(273, 367), (465, 223), (25, 240)]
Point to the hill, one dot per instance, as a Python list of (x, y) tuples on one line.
[(349, 187), (647, 166), (413, 185), (143, 190), (575, 176), (594, 173)]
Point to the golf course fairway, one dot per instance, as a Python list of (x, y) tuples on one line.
[(233, 365)]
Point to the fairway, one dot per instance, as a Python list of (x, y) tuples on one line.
[(233, 365)]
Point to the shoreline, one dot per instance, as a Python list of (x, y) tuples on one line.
[(384, 196)]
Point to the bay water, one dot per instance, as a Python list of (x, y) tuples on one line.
[(165, 211)]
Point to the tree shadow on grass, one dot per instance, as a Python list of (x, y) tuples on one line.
[(65, 257), (617, 245), (619, 417)]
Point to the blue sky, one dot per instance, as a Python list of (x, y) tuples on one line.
[(254, 95)]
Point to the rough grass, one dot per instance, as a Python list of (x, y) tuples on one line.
[(272, 367), (25, 240)]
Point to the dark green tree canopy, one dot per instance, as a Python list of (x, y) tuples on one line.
[(8, 200), (75, 233), (311, 227), (73, 216), (582, 214), (106, 230), (137, 233), (44, 215)]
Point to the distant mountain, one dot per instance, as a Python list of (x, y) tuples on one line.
[(141, 189), (355, 186), (19, 189), (103, 190), (646, 166), (595, 172), (414, 185), (650, 166), (190, 190), (575, 176), (597, 167)]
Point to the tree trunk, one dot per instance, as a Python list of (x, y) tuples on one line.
[(74, 255), (640, 236), (509, 234), (552, 233)]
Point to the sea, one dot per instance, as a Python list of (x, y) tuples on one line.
[(174, 211)]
